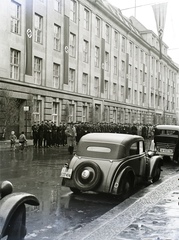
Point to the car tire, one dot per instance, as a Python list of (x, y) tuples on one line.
[(75, 190), (88, 183), (156, 174), (126, 187)]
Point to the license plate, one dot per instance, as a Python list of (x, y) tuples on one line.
[(66, 172), (164, 150)]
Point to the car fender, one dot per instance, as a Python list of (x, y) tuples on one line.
[(154, 161), (8, 206), (115, 188)]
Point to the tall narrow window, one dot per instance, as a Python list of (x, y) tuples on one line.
[(136, 53), (14, 64), (106, 61), (85, 83), (56, 75), (55, 113), (115, 65), (84, 114), (122, 93), (72, 79), (15, 17), (72, 113), (57, 37), (114, 116), (37, 110), (115, 39), (130, 49), (123, 45), (96, 58), (37, 70), (107, 33), (141, 56), (96, 86), (85, 51), (73, 10), (114, 97), (122, 69), (38, 29), (106, 89), (86, 19), (72, 45), (58, 5), (97, 27)]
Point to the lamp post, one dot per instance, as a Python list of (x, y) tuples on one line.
[(26, 109)]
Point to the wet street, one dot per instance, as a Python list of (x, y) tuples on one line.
[(37, 171)]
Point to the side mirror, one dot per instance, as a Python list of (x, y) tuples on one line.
[(6, 188)]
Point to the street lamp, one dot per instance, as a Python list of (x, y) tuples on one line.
[(26, 109)]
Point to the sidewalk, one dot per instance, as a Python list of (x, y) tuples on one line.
[(6, 144), (147, 215)]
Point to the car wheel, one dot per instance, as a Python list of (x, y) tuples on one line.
[(126, 187), (156, 174), (75, 190), (87, 175)]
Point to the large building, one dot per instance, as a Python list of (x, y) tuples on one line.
[(69, 60)]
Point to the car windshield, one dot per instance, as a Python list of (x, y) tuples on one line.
[(165, 132)]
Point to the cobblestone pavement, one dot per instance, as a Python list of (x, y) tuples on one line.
[(150, 214)]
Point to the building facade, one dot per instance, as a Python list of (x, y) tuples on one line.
[(69, 60)]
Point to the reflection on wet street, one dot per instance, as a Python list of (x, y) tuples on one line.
[(37, 171)]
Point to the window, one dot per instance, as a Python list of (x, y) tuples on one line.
[(56, 75), (15, 17), (123, 46), (130, 49), (141, 56), (114, 116), (72, 113), (55, 111), (73, 10), (97, 27), (57, 37), (130, 71), (37, 110), (107, 33), (115, 39), (84, 114), (133, 149), (115, 65), (38, 29), (96, 86), (122, 93), (141, 77), (14, 64), (136, 53), (106, 61), (136, 75), (72, 45), (135, 96), (71, 79), (122, 69), (58, 5), (106, 89), (114, 91), (37, 70), (96, 59), (85, 51), (85, 84), (86, 19), (129, 94)]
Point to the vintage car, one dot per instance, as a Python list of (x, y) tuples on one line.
[(110, 163), (165, 140), (13, 211)]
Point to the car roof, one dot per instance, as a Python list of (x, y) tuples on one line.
[(114, 138), (167, 127)]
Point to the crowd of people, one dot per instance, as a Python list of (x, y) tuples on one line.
[(49, 134)]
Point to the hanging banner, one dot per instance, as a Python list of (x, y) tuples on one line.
[(66, 48), (29, 35), (160, 12), (102, 64)]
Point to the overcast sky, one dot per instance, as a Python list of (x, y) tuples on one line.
[(146, 16)]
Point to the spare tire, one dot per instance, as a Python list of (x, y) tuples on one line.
[(87, 175)]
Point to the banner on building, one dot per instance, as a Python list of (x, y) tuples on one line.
[(66, 49), (160, 12), (29, 34), (102, 64), (127, 74)]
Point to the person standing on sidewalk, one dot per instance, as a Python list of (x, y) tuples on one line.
[(22, 140), (71, 137), (13, 140)]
